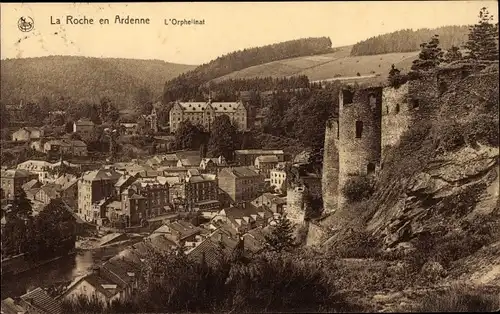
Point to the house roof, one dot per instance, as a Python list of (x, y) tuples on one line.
[(112, 237), (84, 122), (102, 174), (51, 190), (216, 106), (239, 172), (190, 161), (160, 242), (9, 306), (212, 249), (16, 173), (34, 165), (259, 152), (39, 299), (123, 179), (31, 184), (101, 284), (267, 158)]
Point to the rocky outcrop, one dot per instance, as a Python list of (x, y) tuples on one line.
[(469, 174)]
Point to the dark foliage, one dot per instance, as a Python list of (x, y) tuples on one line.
[(358, 188), (409, 40), (186, 86), (483, 38)]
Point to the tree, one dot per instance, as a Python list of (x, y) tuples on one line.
[(186, 135), (453, 54), (4, 116), (52, 232), (221, 142), (281, 237), (143, 100), (430, 56), (396, 79), (483, 38)]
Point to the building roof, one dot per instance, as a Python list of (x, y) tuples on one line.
[(84, 122), (52, 190), (190, 161), (102, 174), (160, 242), (104, 285), (34, 165), (39, 299), (31, 185), (192, 107), (16, 173), (239, 172), (267, 158), (122, 180), (275, 199), (259, 152), (9, 306), (113, 237), (214, 248)]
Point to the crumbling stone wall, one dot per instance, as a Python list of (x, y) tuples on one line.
[(295, 205), (359, 134), (396, 115), (330, 175)]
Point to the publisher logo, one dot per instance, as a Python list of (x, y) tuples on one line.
[(25, 24)]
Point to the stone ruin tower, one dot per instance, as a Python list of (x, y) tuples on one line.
[(352, 143)]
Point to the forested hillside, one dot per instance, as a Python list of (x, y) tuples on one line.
[(407, 40), (84, 79), (186, 85)]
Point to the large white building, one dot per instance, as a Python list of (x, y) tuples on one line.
[(203, 114)]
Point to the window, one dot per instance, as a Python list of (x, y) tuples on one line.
[(370, 168), (387, 109), (347, 95), (397, 108), (443, 87), (415, 103), (359, 129)]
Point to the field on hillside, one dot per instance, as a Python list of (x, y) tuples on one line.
[(84, 78), (327, 66)]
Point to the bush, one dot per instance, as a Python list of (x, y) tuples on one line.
[(483, 129), (397, 80), (358, 188), (360, 244), (459, 300)]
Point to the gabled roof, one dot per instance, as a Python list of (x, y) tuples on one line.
[(259, 152), (51, 190), (31, 185), (239, 172), (39, 299), (84, 122), (16, 173), (105, 286), (267, 158), (102, 174), (191, 107), (9, 306)]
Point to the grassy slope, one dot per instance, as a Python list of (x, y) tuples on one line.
[(80, 77), (327, 66)]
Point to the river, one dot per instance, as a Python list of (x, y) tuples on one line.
[(64, 269)]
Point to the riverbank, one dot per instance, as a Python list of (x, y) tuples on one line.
[(20, 264)]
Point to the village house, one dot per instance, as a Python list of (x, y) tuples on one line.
[(246, 157), (204, 113), (66, 147), (93, 187), (265, 163), (14, 179), (218, 245), (38, 301), (148, 122), (182, 233), (137, 199), (273, 202), (240, 183), (83, 127), (201, 191), (128, 128), (44, 169), (168, 160), (244, 217), (278, 178), (212, 165), (27, 134)]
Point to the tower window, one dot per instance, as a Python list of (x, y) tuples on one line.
[(338, 130), (347, 95), (415, 103), (397, 108), (442, 87), (359, 129), (370, 168), (387, 109)]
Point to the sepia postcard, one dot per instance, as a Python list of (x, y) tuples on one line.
[(250, 157)]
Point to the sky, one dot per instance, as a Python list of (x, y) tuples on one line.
[(227, 26)]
